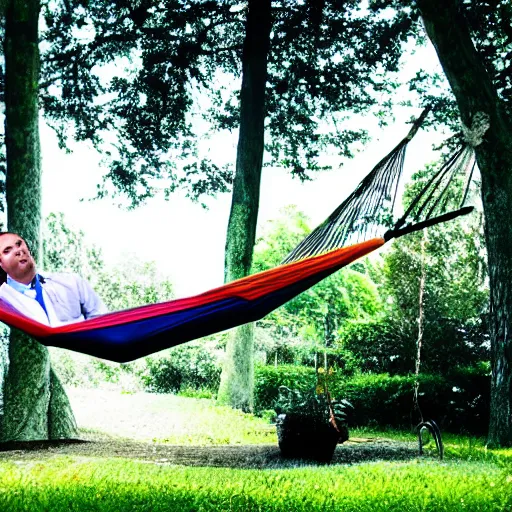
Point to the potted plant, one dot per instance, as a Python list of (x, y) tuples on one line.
[(311, 423)]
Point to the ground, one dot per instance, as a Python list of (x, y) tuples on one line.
[(146, 427)]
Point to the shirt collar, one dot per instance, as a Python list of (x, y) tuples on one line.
[(20, 287)]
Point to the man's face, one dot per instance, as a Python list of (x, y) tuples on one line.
[(15, 258)]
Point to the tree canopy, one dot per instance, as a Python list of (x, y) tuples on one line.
[(152, 73)]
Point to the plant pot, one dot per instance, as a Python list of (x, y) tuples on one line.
[(305, 437)]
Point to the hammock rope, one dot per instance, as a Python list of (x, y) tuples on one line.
[(364, 212)]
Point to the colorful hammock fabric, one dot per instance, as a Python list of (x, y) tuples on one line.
[(126, 335)]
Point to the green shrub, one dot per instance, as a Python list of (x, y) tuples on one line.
[(187, 392), (458, 402), (267, 380), (377, 346), (388, 345), (190, 366), (161, 376), (111, 372)]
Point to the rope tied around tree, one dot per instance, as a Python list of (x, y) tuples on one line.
[(474, 135)]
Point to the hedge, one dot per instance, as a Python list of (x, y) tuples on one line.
[(458, 402)]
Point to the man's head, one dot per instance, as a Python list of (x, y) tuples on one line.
[(16, 259)]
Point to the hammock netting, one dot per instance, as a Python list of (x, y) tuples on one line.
[(127, 335)]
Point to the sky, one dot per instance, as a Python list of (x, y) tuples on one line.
[(185, 240)]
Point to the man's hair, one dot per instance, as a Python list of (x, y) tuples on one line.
[(15, 234)]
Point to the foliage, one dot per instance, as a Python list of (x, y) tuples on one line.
[(377, 346), (454, 304), (193, 366), (455, 297), (197, 393), (315, 402), (65, 249), (129, 284), (173, 64), (489, 28), (315, 315), (458, 402), (192, 370), (113, 484), (132, 283), (389, 345), (268, 380)]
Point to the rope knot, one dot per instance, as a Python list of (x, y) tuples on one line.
[(474, 135)]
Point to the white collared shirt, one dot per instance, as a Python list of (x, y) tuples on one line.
[(68, 298)]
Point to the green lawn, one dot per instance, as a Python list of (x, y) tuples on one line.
[(471, 478), (70, 484)]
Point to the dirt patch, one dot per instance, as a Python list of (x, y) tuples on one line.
[(244, 456)]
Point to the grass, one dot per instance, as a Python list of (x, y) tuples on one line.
[(471, 478), (67, 484), (209, 424), (167, 419)]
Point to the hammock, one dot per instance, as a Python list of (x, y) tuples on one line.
[(130, 334)]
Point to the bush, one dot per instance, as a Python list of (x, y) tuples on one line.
[(458, 402), (192, 366), (267, 380), (197, 393), (378, 346), (389, 345)]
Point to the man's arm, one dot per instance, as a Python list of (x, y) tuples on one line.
[(90, 302)]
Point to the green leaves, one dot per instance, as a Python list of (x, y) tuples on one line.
[(132, 283), (316, 314), (315, 402), (151, 74)]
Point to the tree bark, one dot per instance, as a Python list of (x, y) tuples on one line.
[(236, 387), (29, 392), (61, 420), (474, 91)]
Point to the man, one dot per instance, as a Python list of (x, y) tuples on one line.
[(49, 298)]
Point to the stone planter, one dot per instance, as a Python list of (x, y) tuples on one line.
[(305, 437)]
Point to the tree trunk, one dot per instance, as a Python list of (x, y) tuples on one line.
[(474, 92), (61, 420), (29, 392), (236, 387)]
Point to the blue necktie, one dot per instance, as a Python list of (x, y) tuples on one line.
[(36, 285)]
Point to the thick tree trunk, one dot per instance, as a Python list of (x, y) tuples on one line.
[(236, 388), (32, 399), (474, 92)]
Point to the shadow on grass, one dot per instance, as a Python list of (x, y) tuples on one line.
[(265, 456)]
